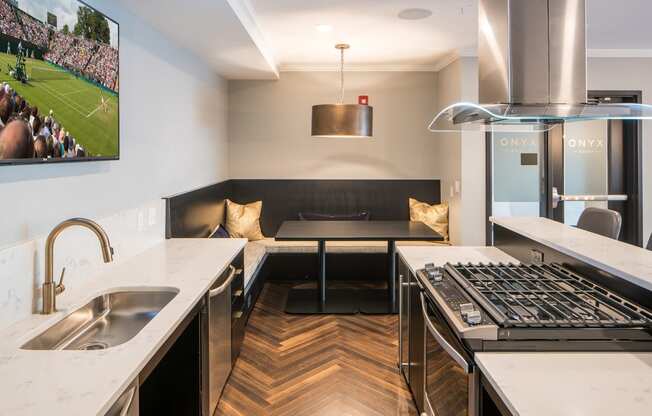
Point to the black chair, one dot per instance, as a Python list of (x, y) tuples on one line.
[(601, 221), (649, 243)]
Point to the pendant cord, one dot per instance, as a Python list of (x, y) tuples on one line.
[(341, 76)]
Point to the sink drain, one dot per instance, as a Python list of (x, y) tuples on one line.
[(90, 346)]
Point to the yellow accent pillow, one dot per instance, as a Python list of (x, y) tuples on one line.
[(243, 221), (434, 216)]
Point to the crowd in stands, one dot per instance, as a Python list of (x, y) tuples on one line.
[(94, 60), (103, 66), (79, 54), (35, 31), (9, 22), (25, 133), (59, 45)]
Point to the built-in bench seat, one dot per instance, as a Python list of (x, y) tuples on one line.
[(256, 251), (197, 213)]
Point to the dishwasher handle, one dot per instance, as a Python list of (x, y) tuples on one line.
[(130, 401), (232, 274), (452, 352)]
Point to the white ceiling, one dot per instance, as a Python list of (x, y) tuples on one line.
[(221, 32), (372, 27), (620, 24), (379, 38), (252, 39)]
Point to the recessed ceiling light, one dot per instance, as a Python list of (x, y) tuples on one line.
[(324, 28), (414, 14)]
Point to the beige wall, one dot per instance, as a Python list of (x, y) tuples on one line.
[(473, 185), (630, 74), (462, 157), (269, 127), (449, 91)]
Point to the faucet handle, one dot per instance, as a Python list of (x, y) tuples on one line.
[(60, 286)]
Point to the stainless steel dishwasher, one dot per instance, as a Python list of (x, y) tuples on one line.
[(219, 334)]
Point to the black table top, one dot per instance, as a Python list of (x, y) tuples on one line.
[(356, 231)]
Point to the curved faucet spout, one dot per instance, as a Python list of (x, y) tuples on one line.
[(50, 289)]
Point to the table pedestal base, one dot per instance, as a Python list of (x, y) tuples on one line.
[(374, 302), (339, 301), (306, 301)]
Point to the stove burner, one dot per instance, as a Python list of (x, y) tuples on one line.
[(546, 296)]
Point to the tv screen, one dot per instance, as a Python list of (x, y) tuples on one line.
[(59, 84)]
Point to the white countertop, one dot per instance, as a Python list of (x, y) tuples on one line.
[(88, 382), (571, 384), (417, 256), (626, 261)]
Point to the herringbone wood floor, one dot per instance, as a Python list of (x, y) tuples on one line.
[(317, 365)]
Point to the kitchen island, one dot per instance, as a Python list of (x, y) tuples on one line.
[(625, 261), (570, 384), (528, 383), (57, 382)]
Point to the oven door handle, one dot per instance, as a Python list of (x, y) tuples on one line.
[(452, 352)]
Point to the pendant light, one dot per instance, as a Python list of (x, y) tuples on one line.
[(342, 120)]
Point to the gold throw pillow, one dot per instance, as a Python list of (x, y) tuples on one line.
[(243, 221), (434, 216)]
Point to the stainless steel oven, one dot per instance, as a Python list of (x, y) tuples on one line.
[(451, 384)]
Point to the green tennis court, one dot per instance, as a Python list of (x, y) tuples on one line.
[(76, 103)]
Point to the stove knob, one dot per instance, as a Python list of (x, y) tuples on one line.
[(465, 308), (473, 318), (435, 275)]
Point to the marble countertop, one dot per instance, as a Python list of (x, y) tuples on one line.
[(88, 382), (417, 256), (626, 261), (571, 384)]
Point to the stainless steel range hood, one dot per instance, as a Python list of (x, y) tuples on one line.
[(532, 70)]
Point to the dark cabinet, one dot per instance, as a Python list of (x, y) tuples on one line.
[(411, 333), (187, 374), (417, 344), (404, 319), (171, 383), (238, 308), (490, 402)]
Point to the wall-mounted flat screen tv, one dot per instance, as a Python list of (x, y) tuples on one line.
[(59, 84)]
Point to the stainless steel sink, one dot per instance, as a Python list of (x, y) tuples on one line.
[(106, 321)]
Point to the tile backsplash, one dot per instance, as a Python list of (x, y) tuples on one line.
[(21, 265)]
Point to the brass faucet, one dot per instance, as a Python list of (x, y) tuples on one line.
[(50, 289)]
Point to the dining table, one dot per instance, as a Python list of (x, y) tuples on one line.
[(348, 301)]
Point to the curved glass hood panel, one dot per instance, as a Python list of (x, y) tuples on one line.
[(530, 117)]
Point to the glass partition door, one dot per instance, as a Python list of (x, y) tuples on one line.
[(567, 167), (586, 167), (518, 185)]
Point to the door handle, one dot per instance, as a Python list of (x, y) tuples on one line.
[(441, 340), (557, 198), (232, 274)]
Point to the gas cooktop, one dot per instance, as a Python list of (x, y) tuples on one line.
[(546, 301), (547, 296)]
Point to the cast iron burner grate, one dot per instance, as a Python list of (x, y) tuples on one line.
[(519, 295)]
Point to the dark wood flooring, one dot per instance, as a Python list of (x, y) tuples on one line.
[(317, 365)]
